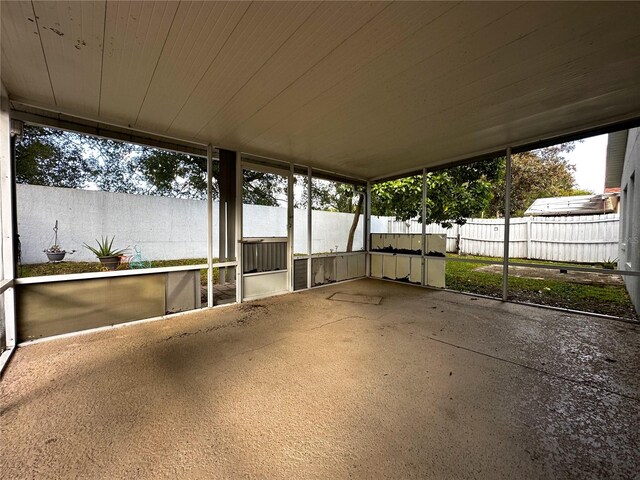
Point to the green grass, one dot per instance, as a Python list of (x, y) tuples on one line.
[(605, 299)]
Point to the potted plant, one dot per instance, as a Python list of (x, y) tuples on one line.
[(108, 256), (55, 253)]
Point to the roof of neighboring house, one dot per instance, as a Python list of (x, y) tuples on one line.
[(576, 205), (616, 148)]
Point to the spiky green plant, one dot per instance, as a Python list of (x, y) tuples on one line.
[(105, 248)]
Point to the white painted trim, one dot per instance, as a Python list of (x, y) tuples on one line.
[(4, 358), (256, 274), (337, 254), (238, 225), (7, 187), (115, 273), (209, 226), (309, 227), (5, 285)]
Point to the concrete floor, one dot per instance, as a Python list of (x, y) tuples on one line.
[(427, 384)]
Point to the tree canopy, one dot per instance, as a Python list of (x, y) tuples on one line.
[(56, 158), (453, 194), (477, 189), (51, 157)]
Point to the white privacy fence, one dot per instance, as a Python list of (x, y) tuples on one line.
[(584, 238), (169, 228)]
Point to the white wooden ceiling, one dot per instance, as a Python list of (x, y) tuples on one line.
[(366, 89)]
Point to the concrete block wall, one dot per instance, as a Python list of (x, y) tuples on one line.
[(164, 228)]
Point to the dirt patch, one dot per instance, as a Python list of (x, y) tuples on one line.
[(584, 278)]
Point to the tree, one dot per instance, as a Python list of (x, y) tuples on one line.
[(453, 194), (478, 189), (535, 174), (57, 158), (42, 158)]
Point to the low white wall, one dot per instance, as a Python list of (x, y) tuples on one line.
[(164, 228)]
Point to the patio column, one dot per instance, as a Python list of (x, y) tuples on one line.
[(7, 238), (227, 213)]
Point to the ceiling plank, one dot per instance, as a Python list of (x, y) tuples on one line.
[(260, 33), (199, 32), (134, 38), (72, 41), (329, 27), (24, 69)]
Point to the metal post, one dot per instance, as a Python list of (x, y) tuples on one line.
[(290, 227), (7, 220), (209, 226), (367, 231), (507, 218), (309, 226), (424, 226), (238, 217)]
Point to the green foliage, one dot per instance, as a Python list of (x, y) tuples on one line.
[(453, 194), (57, 158), (105, 248), (43, 158), (536, 174), (477, 190)]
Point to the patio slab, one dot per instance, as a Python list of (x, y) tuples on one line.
[(426, 384)]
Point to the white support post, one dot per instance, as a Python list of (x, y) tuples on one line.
[(238, 215), (507, 219), (8, 253), (290, 227), (367, 231), (424, 227), (209, 226), (309, 226)]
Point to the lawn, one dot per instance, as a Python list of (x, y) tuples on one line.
[(605, 299)]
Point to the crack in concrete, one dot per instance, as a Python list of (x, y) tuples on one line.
[(586, 383)]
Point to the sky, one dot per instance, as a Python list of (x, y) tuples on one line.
[(589, 158)]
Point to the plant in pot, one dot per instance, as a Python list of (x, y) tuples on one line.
[(108, 256), (55, 253)]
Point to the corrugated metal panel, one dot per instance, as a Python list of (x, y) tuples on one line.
[(264, 257), (300, 274), (575, 205)]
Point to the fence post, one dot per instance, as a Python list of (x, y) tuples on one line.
[(529, 223)]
